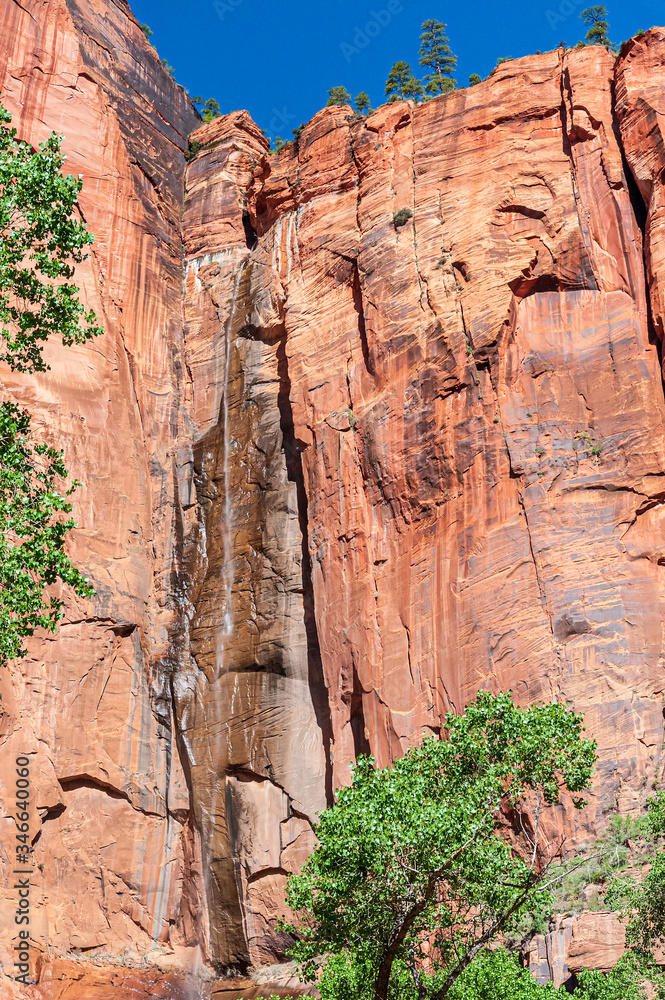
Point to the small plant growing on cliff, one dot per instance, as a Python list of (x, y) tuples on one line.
[(474, 79), (41, 240), (194, 149), (279, 143), (146, 31), (169, 69), (596, 19), (417, 871), (401, 217), (338, 96)]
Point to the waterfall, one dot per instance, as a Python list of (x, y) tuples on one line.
[(228, 569)]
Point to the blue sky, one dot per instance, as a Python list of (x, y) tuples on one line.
[(278, 60)]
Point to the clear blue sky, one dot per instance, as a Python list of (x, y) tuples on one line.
[(278, 59)]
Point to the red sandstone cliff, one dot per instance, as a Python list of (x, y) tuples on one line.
[(341, 475)]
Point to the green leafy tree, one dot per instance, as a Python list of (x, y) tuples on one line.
[(436, 55), (497, 975), (596, 19), (402, 84), (32, 538), (474, 79), (641, 903), (411, 859), (338, 96), (41, 241), (362, 103)]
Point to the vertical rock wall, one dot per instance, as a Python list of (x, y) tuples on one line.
[(460, 420), (115, 852), (337, 474)]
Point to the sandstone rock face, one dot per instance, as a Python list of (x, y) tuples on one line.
[(338, 473), (452, 413), (115, 852)]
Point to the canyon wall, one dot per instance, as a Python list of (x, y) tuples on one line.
[(115, 850), (337, 474)]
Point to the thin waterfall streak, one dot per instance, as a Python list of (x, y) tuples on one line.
[(228, 571)]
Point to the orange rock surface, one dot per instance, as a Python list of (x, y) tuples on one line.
[(115, 852), (338, 473)]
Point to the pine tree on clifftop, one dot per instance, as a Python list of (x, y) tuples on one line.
[(437, 56), (338, 96), (596, 19), (402, 84)]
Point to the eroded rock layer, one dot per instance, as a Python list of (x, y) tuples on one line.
[(339, 473)]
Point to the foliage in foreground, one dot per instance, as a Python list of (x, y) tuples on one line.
[(641, 901), (32, 554), (40, 242), (414, 875), (494, 975)]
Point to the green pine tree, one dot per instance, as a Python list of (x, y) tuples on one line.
[(279, 143), (596, 20), (338, 96), (401, 83), (413, 89), (474, 79), (146, 31), (362, 103), (209, 109), (437, 56)]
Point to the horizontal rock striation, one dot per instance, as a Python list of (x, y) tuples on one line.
[(339, 472)]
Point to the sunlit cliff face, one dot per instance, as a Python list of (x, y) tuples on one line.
[(338, 474)]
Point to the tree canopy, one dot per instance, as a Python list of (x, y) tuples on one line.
[(421, 865), (436, 55), (401, 83), (596, 18), (338, 95), (41, 240), (208, 109)]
